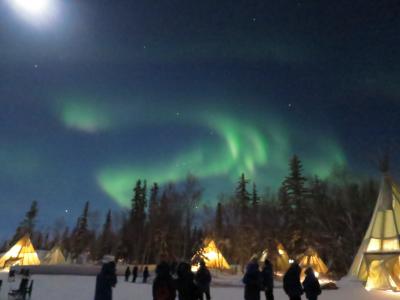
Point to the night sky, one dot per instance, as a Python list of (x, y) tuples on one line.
[(97, 94)]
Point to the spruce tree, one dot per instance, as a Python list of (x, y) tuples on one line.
[(162, 227), (255, 219), (153, 214), (139, 205), (29, 222), (294, 185), (255, 203), (138, 218), (243, 199), (255, 199), (106, 238), (285, 210), (27, 226), (190, 199), (153, 204), (244, 234), (295, 193), (37, 240), (66, 241), (135, 202), (81, 235), (219, 222)]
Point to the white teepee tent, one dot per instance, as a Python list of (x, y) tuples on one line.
[(22, 253), (378, 259), (54, 257), (310, 258), (212, 256), (278, 257)]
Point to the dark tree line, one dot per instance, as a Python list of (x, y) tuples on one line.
[(329, 215), (170, 222)]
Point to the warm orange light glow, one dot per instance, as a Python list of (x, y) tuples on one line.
[(390, 245), (22, 253), (213, 257)]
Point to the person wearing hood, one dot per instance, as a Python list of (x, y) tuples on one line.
[(252, 281), (146, 274), (127, 273), (311, 285), (267, 274), (291, 282), (134, 273), (187, 290), (203, 280), (105, 281), (163, 284)]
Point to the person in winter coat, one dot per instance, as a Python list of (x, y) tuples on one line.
[(187, 290), (145, 274), (203, 280), (127, 273), (311, 285), (291, 282), (163, 284), (105, 281), (134, 273), (252, 281), (267, 275)]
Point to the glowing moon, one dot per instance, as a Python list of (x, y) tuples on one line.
[(35, 11), (33, 7)]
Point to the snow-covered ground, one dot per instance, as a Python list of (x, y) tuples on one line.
[(64, 287)]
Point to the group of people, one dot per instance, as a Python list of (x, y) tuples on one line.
[(194, 286), (188, 285), (134, 273), (293, 287), (256, 281)]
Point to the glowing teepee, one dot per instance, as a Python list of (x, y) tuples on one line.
[(378, 259), (311, 259), (22, 253), (278, 257), (212, 256), (54, 257)]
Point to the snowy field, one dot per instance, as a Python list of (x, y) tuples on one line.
[(64, 287)]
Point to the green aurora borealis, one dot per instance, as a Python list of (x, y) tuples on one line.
[(85, 116), (233, 145)]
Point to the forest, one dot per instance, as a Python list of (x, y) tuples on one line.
[(171, 222)]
